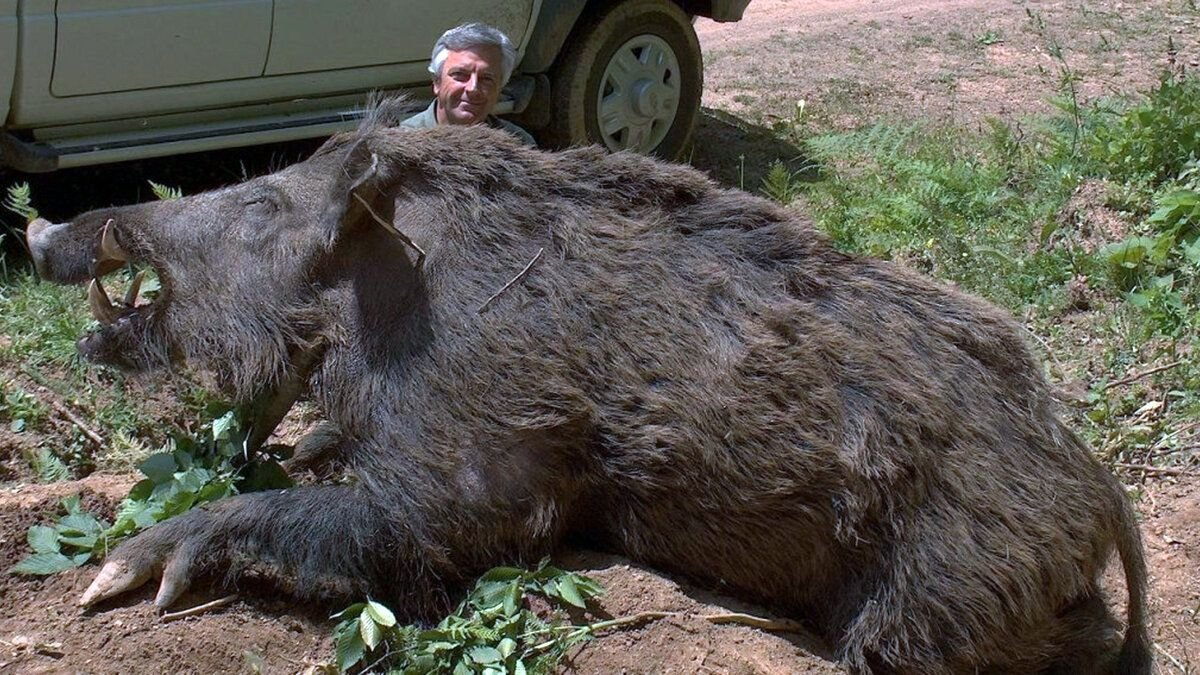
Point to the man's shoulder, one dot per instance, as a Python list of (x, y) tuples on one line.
[(426, 119), (522, 135)]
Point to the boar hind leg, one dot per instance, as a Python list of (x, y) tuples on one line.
[(917, 634), (1085, 637), (316, 542)]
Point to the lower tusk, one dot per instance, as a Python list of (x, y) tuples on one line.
[(131, 295), (102, 308)]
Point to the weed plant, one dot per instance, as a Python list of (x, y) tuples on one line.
[(491, 632), (188, 472)]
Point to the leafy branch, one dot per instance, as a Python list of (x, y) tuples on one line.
[(492, 632), (189, 471)]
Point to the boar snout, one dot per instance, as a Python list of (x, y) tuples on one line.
[(37, 235)]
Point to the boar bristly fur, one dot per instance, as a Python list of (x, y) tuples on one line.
[(608, 347)]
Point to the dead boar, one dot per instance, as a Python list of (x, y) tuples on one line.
[(518, 346)]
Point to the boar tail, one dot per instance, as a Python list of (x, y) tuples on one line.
[(1136, 657)]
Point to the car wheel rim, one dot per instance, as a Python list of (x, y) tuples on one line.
[(639, 95)]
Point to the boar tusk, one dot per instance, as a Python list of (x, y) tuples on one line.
[(109, 248), (131, 295), (102, 308)]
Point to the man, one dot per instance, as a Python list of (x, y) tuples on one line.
[(470, 65)]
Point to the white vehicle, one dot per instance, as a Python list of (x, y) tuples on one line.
[(95, 81)]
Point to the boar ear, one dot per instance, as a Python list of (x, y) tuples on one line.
[(357, 194)]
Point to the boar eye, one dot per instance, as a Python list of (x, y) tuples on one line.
[(262, 204)]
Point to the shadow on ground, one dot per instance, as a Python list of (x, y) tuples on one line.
[(738, 153)]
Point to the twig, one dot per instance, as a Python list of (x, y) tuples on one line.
[(1164, 470), (392, 228), (1175, 432), (1174, 661), (74, 419), (511, 282), (198, 609), (782, 625), (1049, 352), (59, 407), (1137, 376), (576, 631)]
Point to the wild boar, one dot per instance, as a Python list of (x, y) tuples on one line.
[(518, 346)]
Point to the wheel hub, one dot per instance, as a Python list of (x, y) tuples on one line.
[(639, 94)]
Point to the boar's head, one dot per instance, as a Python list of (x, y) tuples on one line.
[(244, 270)]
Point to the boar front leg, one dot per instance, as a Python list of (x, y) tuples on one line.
[(326, 542)]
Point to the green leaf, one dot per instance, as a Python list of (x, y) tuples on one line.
[(77, 524), (349, 649), (140, 492), (588, 587), (485, 655), (369, 630), (20, 202), (180, 502), (194, 479), (350, 612), (165, 193), (43, 539), (215, 490), (569, 592), (512, 600), (83, 541), (44, 564), (502, 574), (506, 647), (150, 285), (148, 516), (488, 594), (380, 614), (17, 425), (222, 426), (159, 467)]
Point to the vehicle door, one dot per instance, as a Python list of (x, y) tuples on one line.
[(344, 39), (105, 46)]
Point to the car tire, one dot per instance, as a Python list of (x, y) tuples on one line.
[(630, 80)]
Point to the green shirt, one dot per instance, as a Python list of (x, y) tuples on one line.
[(427, 119)]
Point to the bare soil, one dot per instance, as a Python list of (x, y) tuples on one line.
[(851, 63)]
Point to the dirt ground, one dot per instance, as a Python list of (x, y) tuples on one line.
[(851, 63)]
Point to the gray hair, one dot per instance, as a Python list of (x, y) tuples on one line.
[(471, 35)]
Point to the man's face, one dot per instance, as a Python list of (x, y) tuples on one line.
[(469, 85)]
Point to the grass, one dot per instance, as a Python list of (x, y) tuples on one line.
[(60, 403)]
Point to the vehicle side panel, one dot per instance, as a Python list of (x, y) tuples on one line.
[(554, 23), (323, 35), (120, 45), (8, 54)]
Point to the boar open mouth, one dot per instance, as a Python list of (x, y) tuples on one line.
[(123, 321)]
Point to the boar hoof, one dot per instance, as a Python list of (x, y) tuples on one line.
[(165, 550), (116, 577)]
